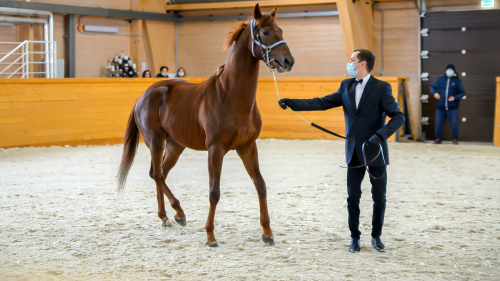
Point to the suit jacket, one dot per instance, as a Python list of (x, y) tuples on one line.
[(368, 119)]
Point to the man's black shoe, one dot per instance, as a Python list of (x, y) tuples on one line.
[(378, 245), (354, 246)]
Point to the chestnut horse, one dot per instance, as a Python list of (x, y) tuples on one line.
[(217, 115)]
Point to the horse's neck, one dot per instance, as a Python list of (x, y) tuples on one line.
[(241, 74)]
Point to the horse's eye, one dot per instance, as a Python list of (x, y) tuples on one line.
[(265, 32)]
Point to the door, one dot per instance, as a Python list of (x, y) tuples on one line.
[(471, 41)]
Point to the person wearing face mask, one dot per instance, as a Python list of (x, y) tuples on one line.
[(181, 73), (366, 102), (448, 90), (163, 72)]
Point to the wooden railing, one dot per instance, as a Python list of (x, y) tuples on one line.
[(42, 112), (496, 130)]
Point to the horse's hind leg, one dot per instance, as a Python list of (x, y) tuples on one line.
[(162, 213), (172, 152), (157, 146), (249, 156)]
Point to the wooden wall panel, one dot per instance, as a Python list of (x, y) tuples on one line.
[(315, 43), (8, 34), (37, 112), (401, 49), (286, 125), (59, 32), (94, 51), (496, 132), (454, 5), (109, 4)]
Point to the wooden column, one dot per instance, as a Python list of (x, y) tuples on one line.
[(356, 20), (136, 43), (159, 38)]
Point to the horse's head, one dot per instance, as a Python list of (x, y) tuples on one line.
[(267, 41)]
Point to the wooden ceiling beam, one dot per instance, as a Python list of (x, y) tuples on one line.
[(356, 20), (245, 4)]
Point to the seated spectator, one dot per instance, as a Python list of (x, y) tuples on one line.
[(181, 73), (146, 74), (163, 72)]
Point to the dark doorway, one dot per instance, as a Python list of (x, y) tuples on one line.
[(471, 41)]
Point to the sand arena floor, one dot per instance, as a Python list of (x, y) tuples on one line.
[(61, 217)]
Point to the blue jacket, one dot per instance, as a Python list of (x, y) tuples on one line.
[(368, 119), (447, 87)]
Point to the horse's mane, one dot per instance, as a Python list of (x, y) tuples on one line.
[(234, 34)]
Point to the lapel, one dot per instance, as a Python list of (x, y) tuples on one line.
[(366, 92), (351, 92)]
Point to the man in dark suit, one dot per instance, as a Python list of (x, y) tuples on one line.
[(367, 102)]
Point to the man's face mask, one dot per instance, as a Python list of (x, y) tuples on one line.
[(350, 69), (450, 73), (164, 74)]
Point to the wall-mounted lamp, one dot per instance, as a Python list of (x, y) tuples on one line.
[(100, 28), (6, 24)]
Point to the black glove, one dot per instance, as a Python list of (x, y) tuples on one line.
[(285, 102), (374, 141)]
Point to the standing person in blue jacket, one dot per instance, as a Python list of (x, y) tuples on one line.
[(367, 102), (448, 90)]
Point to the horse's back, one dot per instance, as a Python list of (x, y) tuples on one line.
[(177, 107)]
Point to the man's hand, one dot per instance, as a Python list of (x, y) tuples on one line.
[(437, 96), (285, 102), (374, 141), (452, 98)]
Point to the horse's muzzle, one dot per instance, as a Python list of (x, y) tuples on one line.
[(284, 64)]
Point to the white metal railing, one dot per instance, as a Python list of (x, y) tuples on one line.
[(16, 63)]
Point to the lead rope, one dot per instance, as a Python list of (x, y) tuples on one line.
[(365, 165), (279, 98), (307, 121)]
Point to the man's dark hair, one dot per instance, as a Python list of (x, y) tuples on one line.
[(368, 57), (161, 68)]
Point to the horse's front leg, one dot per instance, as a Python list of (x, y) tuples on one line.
[(215, 156), (249, 156)]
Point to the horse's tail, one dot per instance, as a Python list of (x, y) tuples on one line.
[(130, 143)]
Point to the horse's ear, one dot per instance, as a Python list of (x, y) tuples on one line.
[(274, 11), (256, 11)]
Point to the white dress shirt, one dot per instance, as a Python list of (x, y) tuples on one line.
[(360, 88)]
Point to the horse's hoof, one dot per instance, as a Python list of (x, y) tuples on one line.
[(212, 244), (181, 222), (268, 240), (166, 223)]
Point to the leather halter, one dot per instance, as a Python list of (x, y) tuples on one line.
[(254, 35)]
